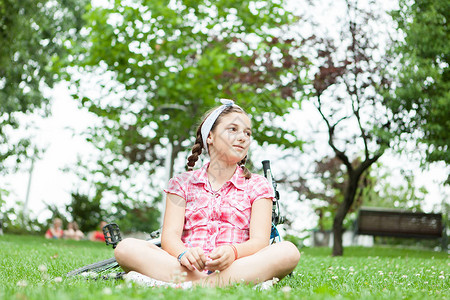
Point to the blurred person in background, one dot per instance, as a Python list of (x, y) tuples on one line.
[(55, 231), (73, 232), (97, 236)]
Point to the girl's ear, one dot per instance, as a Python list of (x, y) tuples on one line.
[(209, 139)]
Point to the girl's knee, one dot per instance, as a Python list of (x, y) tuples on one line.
[(124, 248), (291, 253)]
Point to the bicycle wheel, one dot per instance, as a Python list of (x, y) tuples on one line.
[(97, 267)]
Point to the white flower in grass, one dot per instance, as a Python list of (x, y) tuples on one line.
[(107, 291), (58, 279), (42, 268), (334, 277), (179, 277), (92, 275), (417, 274), (405, 276), (426, 282), (442, 277), (351, 269), (22, 283), (286, 289)]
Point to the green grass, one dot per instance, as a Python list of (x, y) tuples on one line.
[(33, 268)]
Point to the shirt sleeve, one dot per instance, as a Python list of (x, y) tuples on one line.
[(261, 188), (176, 187)]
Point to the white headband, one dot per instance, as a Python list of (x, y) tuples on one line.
[(211, 119)]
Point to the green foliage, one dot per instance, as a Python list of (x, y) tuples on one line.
[(297, 241), (15, 222), (162, 65), (86, 211), (138, 217), (3, 193), (381, 192), (421, 101), (34, 268), (32, 35)]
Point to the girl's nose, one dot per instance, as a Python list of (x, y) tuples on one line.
[(241, 136)]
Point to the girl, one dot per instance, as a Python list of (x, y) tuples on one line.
[(73, 232), (217, 219), (55, 231)]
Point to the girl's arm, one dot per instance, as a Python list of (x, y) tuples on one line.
[(171, 234), (260, 226)]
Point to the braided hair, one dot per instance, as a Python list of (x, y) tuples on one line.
[(197, 149)]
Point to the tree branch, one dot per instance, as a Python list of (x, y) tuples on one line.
[(340, 154)]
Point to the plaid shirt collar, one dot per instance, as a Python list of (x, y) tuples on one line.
[(238, 179)]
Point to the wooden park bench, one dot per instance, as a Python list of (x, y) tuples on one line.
[(401, 223)]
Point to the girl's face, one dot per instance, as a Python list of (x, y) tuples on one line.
[(57, 223), (230, 139)]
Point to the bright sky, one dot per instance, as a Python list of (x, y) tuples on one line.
[(48, 183)]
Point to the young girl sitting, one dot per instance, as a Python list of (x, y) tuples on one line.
[(217, 219)]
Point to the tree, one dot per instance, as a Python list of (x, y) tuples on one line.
[(325, 187), (32, 36), (421, 100), (86, 211), (164, 64), (345, 93)]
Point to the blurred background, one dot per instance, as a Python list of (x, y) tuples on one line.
[(100, 101)]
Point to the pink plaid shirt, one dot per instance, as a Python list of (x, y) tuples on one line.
[(213, 218)]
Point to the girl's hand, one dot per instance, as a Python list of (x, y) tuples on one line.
[(194, 258), (221, 258)]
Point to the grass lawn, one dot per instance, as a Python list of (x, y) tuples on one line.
[(34, 268)]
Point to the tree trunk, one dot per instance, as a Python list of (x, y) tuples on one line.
[(349, 197), (342, 211)]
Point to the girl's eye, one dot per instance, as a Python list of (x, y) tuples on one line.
[(232, 129)]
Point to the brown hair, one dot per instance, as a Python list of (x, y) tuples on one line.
[(75, 226), (198, 146)]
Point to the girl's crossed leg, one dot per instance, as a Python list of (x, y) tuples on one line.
[(277, 260)]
